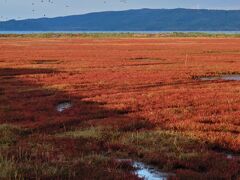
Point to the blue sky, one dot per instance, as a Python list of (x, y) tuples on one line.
[(22, 9)]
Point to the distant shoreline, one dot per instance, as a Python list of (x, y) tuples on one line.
[(60, 34)]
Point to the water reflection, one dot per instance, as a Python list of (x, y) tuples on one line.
[(63, 106), (224, 77)]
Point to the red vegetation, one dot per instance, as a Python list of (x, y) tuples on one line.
[(130, 84)]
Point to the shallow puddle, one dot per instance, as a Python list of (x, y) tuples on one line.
[(229, 156), (223, 77), (63, 106), (233, 156), (148, 172)]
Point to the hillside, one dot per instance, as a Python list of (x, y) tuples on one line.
[(134, 20)]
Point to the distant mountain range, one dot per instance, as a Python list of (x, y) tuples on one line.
[(134, 20)]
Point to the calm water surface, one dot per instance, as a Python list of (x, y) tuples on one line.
[(139, 32), (235, 77)]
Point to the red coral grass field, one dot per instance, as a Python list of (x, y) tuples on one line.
[(131, 98)]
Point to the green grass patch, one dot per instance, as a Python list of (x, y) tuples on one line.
[(83, 133), (120, 35), (8, 168), (169, 143), (9, 134)]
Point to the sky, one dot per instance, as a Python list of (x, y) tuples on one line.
[(24, 9)]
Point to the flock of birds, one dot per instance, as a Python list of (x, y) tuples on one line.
[(2, 18), (33, 4)]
